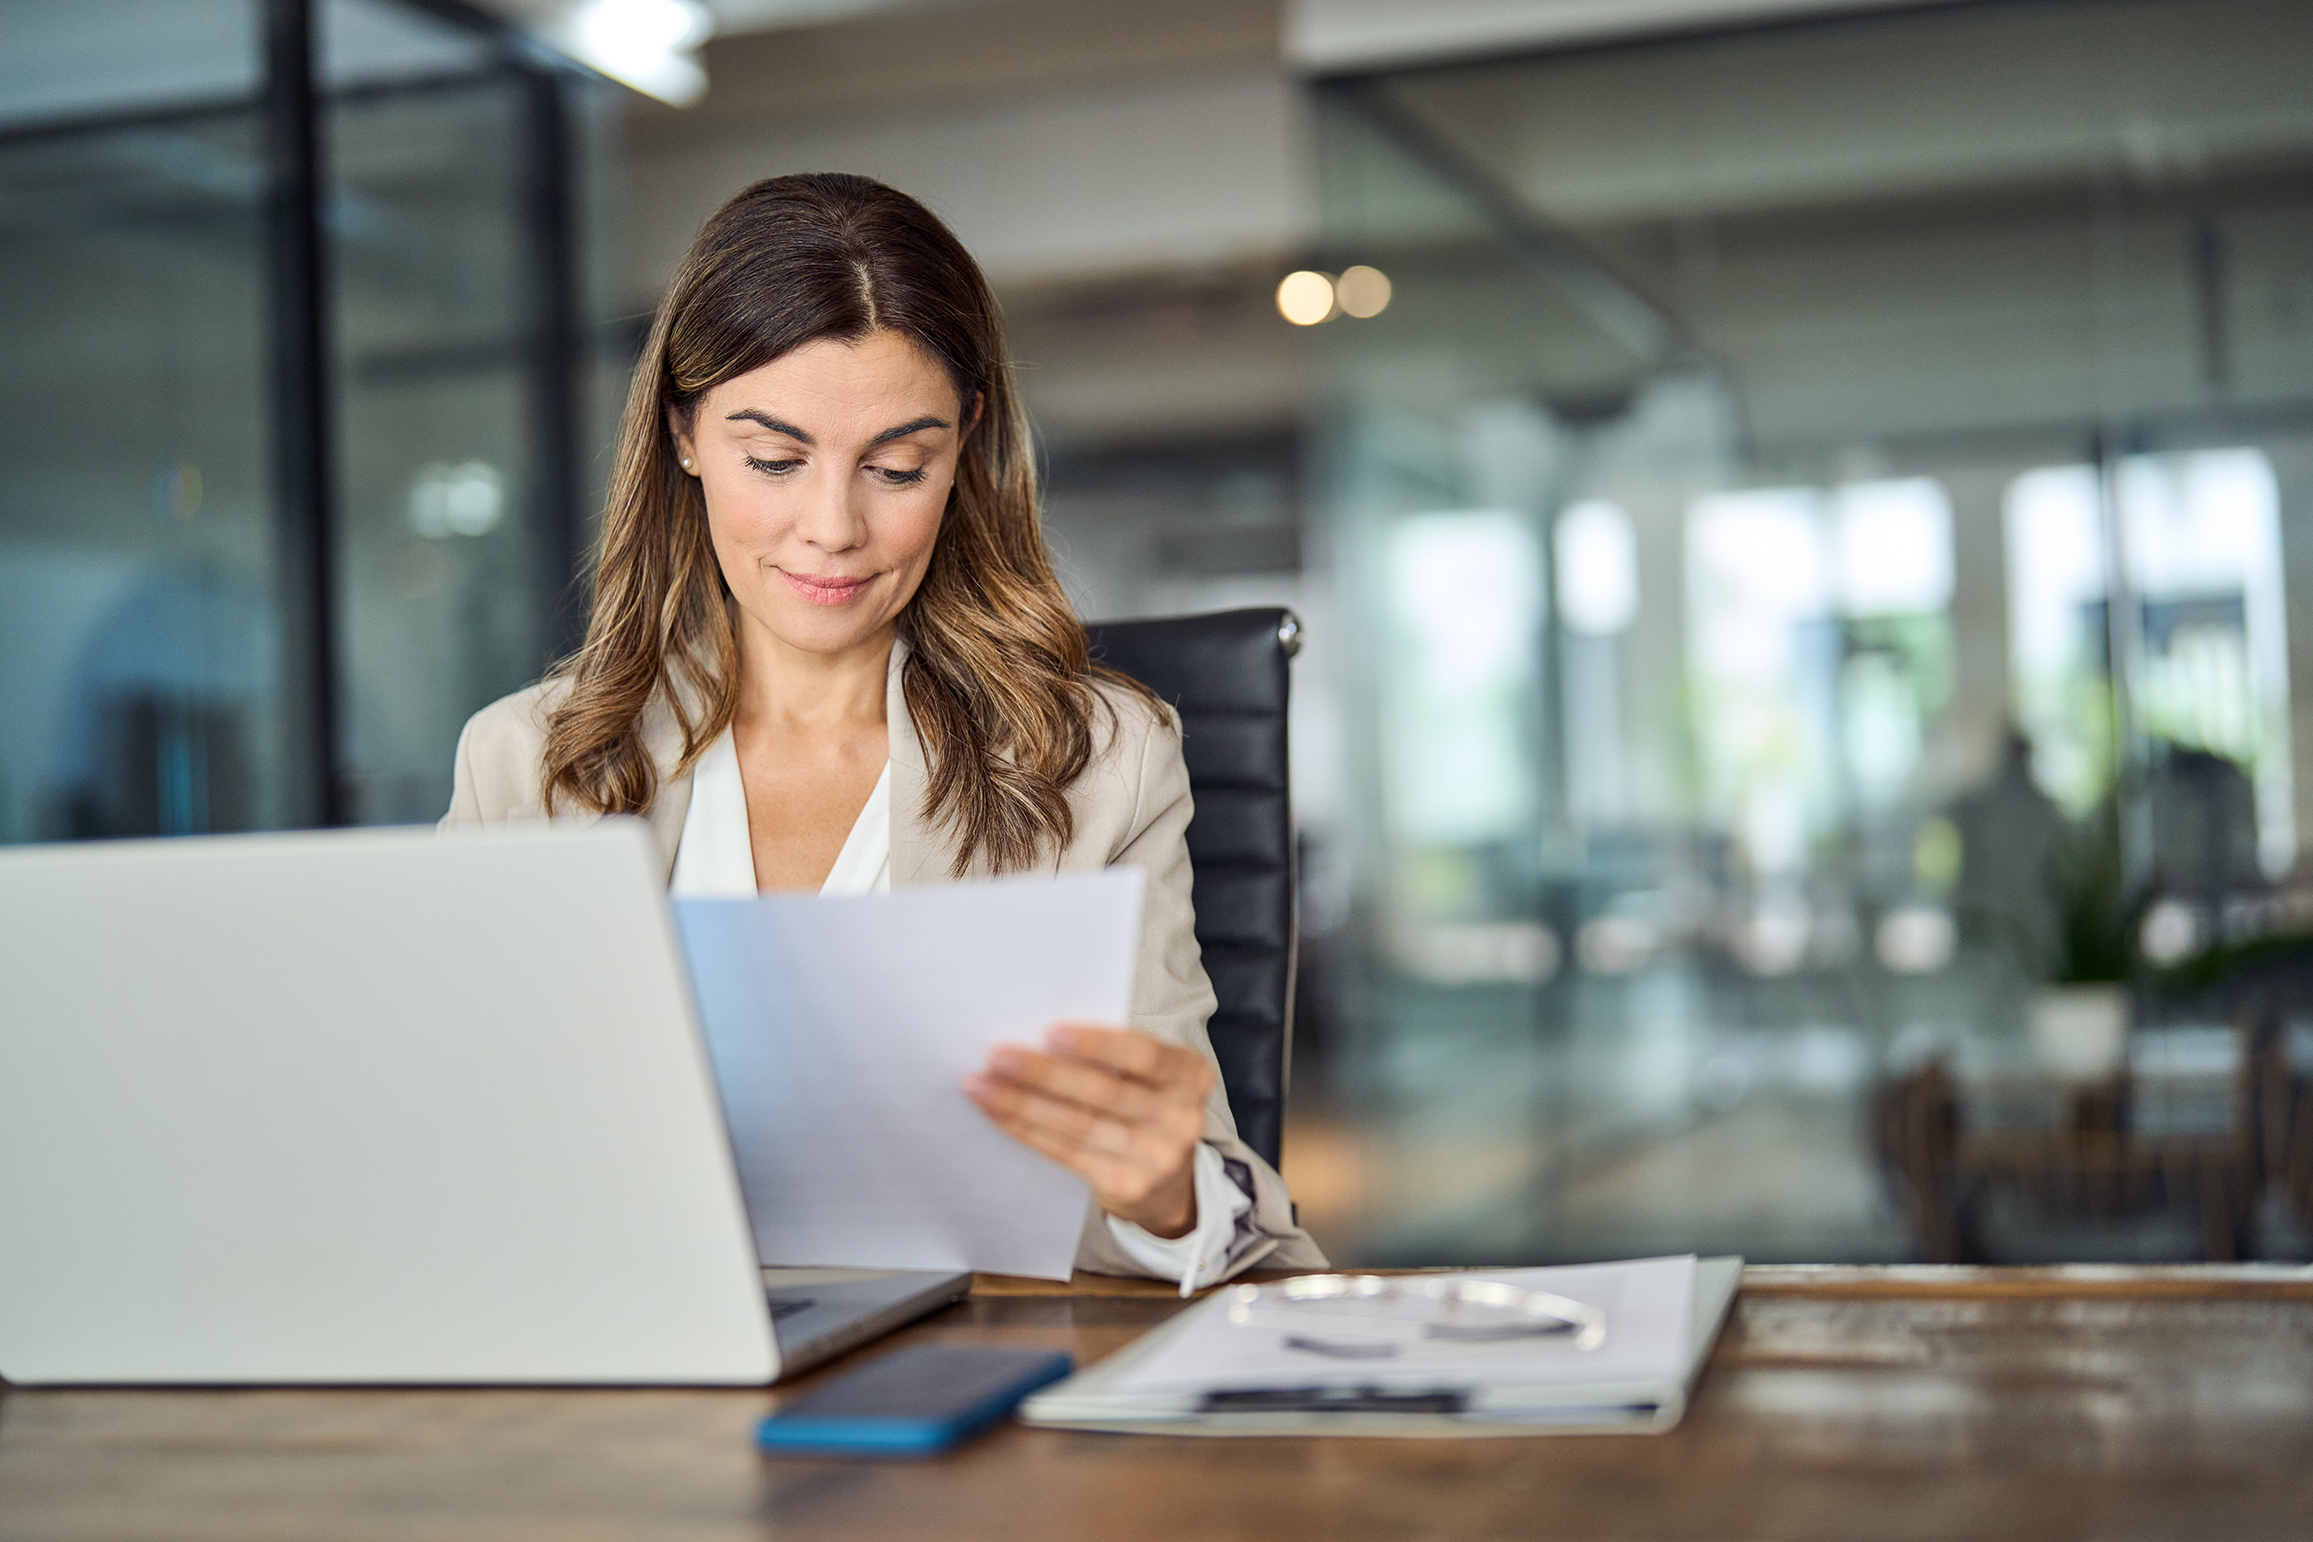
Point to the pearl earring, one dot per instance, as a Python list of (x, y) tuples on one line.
[(686, 463)]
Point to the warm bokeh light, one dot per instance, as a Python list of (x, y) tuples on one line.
[(1305, 298), (1363, 291)]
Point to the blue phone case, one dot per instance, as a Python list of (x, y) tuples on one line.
[(917, 1401)]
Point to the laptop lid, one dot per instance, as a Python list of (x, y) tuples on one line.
[(376, 1106)]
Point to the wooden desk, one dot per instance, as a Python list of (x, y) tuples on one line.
[(1841, 1403)]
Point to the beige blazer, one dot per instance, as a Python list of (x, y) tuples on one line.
[(1131, 805)]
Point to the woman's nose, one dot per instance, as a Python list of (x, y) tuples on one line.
[(831, 517)]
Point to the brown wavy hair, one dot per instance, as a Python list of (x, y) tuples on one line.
[(997, 678)]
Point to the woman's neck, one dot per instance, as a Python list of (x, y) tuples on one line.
[(790, 690)]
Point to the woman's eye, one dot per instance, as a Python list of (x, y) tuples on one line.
[(893, 478), (776, 468)]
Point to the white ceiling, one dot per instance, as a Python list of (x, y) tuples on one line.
[(1327, 36), (1996, 96)]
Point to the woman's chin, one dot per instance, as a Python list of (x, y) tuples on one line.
[(808, 627)]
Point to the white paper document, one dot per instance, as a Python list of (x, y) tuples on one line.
[(841, 1032), (1646, 1305), (1230, 1366)]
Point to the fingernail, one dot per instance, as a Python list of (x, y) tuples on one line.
[(1006, 1057), (976, 1085)]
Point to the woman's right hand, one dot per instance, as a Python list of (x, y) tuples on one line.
[(1120, 1109)]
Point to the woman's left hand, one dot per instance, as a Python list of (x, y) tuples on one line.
[(1122, 1110)]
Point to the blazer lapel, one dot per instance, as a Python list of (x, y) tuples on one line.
[(918, 853), (663, 739)]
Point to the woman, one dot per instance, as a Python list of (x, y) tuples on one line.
[(828, 652)]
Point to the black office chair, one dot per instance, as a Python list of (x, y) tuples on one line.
[(1227, 674)]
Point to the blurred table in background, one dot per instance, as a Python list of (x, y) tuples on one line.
[(2200, 1120), (1840, 1403)]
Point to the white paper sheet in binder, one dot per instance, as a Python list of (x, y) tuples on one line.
[(1589, 1348), (841, 1031)]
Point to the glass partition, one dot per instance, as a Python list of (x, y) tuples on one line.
[(156, 582), (1818, 508), (140, 683), (446, 558)]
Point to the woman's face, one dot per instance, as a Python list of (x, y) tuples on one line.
[(825, 473)]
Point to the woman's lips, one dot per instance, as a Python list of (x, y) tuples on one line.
[(824, 591)]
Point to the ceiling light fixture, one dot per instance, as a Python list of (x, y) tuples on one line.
[(1362, 291), (646, 44), (1305, 298)]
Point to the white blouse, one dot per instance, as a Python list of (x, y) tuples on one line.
[(715, 859)]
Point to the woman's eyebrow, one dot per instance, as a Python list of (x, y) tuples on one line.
[(776, 425), (782, 426), (905, 429)]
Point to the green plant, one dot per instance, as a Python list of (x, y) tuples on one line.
[(2097, 915)]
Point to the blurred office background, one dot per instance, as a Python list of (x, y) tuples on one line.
[(1796, 507)]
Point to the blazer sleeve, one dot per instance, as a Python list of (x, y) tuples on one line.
[(465, 798), (1172, 998), (495, 776)]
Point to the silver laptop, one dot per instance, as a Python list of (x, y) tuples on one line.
[(377, 1106)]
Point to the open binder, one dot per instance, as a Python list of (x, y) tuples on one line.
[(1230, 1366)]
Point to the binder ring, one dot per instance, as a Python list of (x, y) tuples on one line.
[(1464, 1311)]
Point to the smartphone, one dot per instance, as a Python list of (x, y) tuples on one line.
[(917, 1401)]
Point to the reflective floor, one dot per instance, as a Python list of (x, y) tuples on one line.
[(1666, 1114)]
